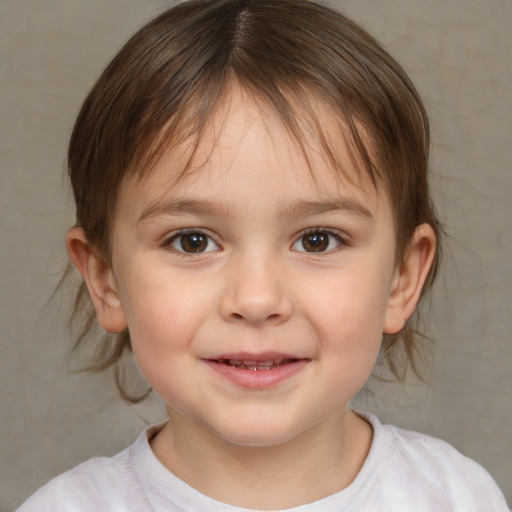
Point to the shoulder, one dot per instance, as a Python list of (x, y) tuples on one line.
[(101, 483), (427, 465), (84, 488)]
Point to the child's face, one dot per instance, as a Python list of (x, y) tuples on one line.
[(288, 272)]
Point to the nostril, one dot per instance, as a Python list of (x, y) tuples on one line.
[(255, 306), (254, 318)]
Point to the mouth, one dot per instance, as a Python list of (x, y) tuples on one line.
[(244, 364), (257, 371)]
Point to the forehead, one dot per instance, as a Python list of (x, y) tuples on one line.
[(246, 141)]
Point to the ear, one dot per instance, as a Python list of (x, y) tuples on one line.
[(410, 278), (100, 281)]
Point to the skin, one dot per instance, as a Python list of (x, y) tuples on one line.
[(256, 289)]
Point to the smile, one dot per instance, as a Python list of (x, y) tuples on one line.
[(261, 372), (256, 365)]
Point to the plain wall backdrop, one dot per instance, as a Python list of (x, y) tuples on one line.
[(458, 53)]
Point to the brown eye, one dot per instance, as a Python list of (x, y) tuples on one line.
[(195, 242), (318, 241), (315, 242)]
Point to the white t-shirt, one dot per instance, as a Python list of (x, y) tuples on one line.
[(404, 472)]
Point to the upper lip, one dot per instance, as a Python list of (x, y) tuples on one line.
[(257, 357)]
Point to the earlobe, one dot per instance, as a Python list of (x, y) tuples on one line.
[(99, 279), (409, 278)]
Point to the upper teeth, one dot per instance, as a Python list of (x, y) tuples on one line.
[(254, 365)]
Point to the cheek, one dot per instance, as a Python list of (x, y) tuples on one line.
[(159, 301), (162, 336), (162, 326), (349, 320), (162, 319), (355, 308), (350, 343)]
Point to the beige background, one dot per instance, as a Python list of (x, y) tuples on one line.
[(458, 52)]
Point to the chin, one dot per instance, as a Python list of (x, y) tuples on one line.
[(256, 434)]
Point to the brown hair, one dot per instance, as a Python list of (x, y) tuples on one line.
[(165, 83)]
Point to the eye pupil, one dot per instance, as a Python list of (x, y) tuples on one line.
[(315, 242), (194, 242)]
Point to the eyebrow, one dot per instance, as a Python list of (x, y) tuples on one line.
[(307, 208), (292, 210), (184, 206)]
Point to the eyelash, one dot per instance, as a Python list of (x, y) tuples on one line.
[(340, 241), (168, 243)]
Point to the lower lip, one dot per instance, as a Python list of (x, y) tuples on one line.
[(258, 379)]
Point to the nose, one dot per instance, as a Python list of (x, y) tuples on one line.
[(256, 293)]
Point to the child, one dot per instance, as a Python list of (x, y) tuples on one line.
[(254, 220)]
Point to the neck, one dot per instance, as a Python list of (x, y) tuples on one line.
[(266, 477)]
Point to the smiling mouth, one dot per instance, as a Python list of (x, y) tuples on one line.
[(255, 365)]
